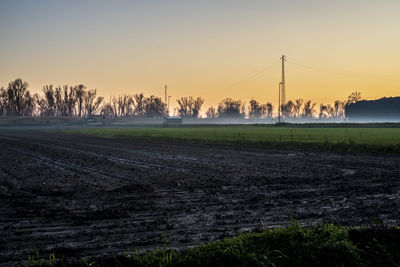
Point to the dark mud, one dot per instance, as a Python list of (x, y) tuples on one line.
[(88, 196)]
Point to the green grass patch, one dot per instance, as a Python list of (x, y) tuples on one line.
[(337, 139), (324, 245)]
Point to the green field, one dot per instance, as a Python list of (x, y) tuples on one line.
[(340, 139)]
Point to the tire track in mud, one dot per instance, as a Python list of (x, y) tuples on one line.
[(33, 228), (225, 191), (70, 150), (99, 150)]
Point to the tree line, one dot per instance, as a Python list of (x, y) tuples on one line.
[(299, 108), (79, 101), (74, 101), (387, 108)]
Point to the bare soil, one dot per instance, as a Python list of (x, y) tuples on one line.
[(79, 195)]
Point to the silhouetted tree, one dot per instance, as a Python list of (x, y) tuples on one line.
[(139, 105), (114, 105), (189, 107), (129, 105), (19, 101), (80, 92), (323, 111), (107, 110), (287, 109), (154, 106), (269, 109), (126, 105), (120, 106), (197, 104), (3, 101), (91, 103), (46, 104), (354, 97), (309, 109), (62, 101), (70, 99), (338, 107), (211, 113), (65, 100), (298, 103), (256, 110), (229, 108), (185, 106)]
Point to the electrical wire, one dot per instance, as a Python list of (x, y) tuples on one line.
[(340, 71), (249, 78)]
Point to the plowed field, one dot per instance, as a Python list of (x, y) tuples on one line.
[(79, 195)]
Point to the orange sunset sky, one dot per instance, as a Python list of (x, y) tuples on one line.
[(214, 49)]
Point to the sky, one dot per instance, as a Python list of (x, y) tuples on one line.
[(213, 49)]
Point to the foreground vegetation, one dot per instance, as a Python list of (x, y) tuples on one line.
[(337, 138), (324, 245)]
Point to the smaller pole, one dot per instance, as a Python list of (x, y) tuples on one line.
[(168, 105), (279, 104), (165, 99), (165, 87)]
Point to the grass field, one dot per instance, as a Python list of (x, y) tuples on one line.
[(324, 245), (331, 138)]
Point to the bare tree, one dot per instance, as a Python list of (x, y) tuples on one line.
[(3, 101), (130, 105), (47, 104), (91, 103), (65, 101), (139, 109), (297, 106), (256, 110), (185, 106), (309, 109), (269, 109), (189, 107), (121, 105), (354, 97), (60, 105), (330, 110), (154, 106), (229, 108), (70, 99), (211, 113), (19, 100), (80, 92), (323, 111), (114, 105), (197, 104), (339, 108), (287, 109), (107, 110)]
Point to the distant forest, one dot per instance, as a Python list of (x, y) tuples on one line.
[(383, 108), (78, 101)]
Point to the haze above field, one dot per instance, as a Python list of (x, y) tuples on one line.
[(213, 49)]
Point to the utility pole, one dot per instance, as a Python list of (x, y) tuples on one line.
[(165, 101), (279, 104), (283, 94), (282, 91), (168, 105)]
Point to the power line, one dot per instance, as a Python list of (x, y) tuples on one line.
[(340, 71), (251, 77)]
